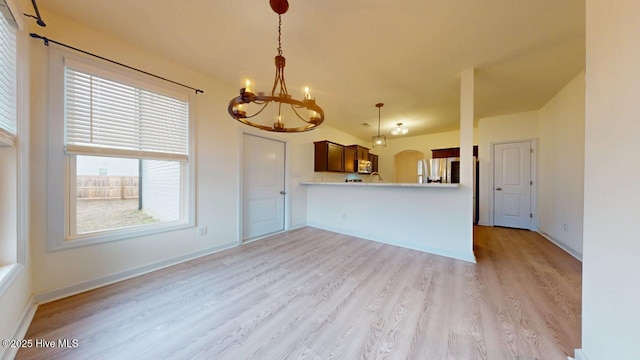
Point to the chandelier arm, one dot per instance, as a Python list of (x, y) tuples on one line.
[(275, 82), (259, 111), (283, 84), (296, 112), (264, 100)]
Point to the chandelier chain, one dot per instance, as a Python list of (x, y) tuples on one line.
[(279, 34)]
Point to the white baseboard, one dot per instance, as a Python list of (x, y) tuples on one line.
[(28, 312), (297, 227), (579, 355), (56, 294), (561, 245)]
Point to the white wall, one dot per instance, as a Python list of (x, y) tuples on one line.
[(217, 177), (494, 129), (14, 299), (14, 302), (300, 163), (61, 269), (8, 205), (611, 270), (422, 143), (405, 166), (561, 167), (464, 212)]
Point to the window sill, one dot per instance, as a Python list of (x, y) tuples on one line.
[(8, 274), (7, 139), (115, 235)]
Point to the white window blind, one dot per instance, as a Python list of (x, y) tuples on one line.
[(8, 75), (105, 117)]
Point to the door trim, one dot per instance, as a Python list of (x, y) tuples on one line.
[(533, 225), (287, 181)]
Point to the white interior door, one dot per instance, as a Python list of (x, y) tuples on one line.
[(263, 190), (512, 184)]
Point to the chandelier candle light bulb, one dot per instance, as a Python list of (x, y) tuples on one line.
[(239, 111), (278, 124)]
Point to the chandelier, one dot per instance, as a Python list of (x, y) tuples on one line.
[(399, 129), (379, 140), (305, 110)]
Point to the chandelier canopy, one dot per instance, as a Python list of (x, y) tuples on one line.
[(305, 110)]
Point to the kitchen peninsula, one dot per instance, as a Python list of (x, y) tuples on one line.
[(428, 217)]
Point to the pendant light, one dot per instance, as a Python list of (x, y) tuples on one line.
[(379, 140)]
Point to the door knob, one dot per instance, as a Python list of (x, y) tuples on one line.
[(283, 192), (499, 188)]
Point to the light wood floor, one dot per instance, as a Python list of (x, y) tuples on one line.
[(313, 294)]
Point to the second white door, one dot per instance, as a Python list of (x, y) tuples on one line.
[(512, 184), (263, 187)]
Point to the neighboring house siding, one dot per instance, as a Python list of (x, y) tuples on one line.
[(161, 189)]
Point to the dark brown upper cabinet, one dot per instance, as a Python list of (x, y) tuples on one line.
[(329, 156)]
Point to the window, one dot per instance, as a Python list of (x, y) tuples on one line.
[(12, 149), (126, 147), (8, 77)]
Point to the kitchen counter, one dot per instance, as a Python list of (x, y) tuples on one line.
[(385, 184), (434, 218)]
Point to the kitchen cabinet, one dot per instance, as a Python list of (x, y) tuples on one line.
[(374, 162), (362, 153), (350, 155), (450, 152), (359, 153), (329, 156), (445, 153)]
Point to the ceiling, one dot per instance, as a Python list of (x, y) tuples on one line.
[(353, 54)]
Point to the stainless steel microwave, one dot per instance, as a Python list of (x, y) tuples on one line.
[(364, 166)]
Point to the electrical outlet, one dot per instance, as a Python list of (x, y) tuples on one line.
[(566, 227), (202, 230)]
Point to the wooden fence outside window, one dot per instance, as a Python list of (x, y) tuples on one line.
[(104, 187)]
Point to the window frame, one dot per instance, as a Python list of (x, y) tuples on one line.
[(71, 211), (7, 138), (20, 141), (61, 170)]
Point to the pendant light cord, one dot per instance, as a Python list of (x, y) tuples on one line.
[(379, 120)]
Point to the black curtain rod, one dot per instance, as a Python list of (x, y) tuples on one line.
[(47, 41), (37, 17)]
